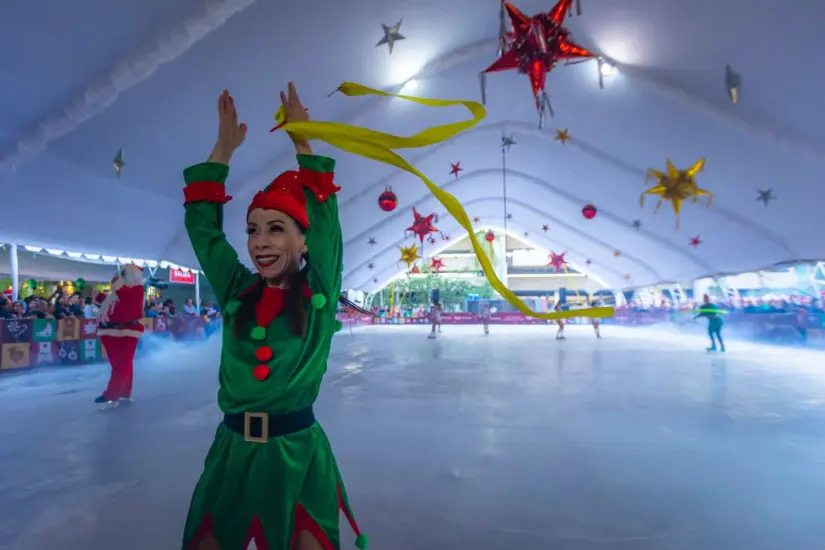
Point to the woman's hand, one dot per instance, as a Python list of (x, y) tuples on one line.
[(294, 111), (230, 133)]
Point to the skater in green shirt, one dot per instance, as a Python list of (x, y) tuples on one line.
[(270, 480), (713, 314)]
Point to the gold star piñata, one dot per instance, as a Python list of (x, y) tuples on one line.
[(676, 186)]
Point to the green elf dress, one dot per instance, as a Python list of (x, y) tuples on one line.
[(270, 473)]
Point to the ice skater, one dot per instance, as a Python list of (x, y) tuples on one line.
[(119, 328), (713, 314), (270, 479), (560, 332), (435, 320), (485, 317), (595, 320)]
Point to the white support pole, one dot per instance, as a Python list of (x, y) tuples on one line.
[(15, 273), (197, 291)]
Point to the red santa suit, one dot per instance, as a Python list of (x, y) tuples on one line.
[(120, 329)]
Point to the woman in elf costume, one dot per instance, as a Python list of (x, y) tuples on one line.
[(270, 481)]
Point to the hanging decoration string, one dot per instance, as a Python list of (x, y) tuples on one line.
[(504, 187), (380, 146)]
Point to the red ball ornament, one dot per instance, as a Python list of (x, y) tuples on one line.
[(490, 237), (589, 212), (387, 201)]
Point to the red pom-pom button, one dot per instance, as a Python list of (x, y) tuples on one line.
[(261, 372), (263, 354)]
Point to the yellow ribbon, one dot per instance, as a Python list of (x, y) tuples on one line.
[(380, 146)]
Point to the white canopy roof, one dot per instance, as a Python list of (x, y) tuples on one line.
[(85, 79)]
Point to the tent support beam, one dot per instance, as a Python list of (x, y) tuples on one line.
[(197, 291), (15, 273)]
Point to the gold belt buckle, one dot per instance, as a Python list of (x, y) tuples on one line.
[(247, 423)]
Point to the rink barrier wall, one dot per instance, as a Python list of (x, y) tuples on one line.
[(30, 343)]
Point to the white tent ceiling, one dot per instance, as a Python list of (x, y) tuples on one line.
[(85, 80)]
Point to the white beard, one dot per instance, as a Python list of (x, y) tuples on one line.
[(107, 307)]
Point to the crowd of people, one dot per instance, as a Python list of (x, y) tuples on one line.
[(58, 306), (61, 305)]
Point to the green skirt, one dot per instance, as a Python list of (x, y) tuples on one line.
[(268, 492)]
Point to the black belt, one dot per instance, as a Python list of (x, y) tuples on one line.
[(118, 325), (259, 427)]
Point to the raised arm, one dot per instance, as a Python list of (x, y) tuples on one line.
[(205, 196), (324, 242)]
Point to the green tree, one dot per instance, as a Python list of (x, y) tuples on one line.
[(452, 291)]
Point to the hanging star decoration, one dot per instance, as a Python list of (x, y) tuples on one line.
[(526, 234), (371, 241), (627, 276), (455, 169), (557, 260), (588, 262), (545, 228), (476, 219), (371, 266), (507, 142), (676, 186), (409, 254), (617, 253), (636, 224), (509, 216), (415, 269), (431, 239), (445, 237), (733, 84), (119, 163), (562, 136), (422, 225), (391, 34), (437, 264), (765, 196), (533, 46), (375, 279), (695, 241)]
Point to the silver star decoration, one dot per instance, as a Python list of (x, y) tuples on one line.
[(733, 83), (371, 266), (636, 224), (506, 142), (371, 242), (391, 34), (119, 163), (765, 196)]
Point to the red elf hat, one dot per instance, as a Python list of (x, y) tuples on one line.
[(286, 194)]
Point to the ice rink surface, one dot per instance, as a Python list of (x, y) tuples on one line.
[(638, 441)]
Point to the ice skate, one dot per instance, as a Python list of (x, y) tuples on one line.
[(126, 400), (103, 403), (431, 336), (712, 348)]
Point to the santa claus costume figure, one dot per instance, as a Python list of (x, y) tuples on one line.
[(120, 329)]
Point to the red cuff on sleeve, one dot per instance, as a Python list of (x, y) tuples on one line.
[(321, 184), (205, 191)]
